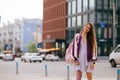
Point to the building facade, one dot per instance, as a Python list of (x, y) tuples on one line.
[(100, 12), (32, 32), (77, 13), (54, 23), (118, 17), (10, 35), (19, 34)]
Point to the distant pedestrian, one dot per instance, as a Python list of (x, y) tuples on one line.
[(84, 51)]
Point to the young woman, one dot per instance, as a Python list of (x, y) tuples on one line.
[(84, 51)]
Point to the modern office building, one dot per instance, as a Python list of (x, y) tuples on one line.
[(54, 23), (77, 13), (118, 26), (100, 12)]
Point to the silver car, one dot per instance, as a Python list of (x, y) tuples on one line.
[(114, 57), (8, 57)]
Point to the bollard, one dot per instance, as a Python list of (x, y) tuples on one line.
[(16, 67), (118, 74), (68, 72), (46, 70)]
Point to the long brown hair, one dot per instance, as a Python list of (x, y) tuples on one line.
[(91, 37)]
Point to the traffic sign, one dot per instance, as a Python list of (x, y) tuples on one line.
[(102, 24)]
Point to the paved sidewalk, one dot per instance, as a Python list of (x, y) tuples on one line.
[(36, 77), (57, 78), (35, 71)]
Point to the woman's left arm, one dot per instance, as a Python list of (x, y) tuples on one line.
[(94, 57)]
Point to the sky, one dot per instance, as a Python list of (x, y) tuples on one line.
[(17, 9)]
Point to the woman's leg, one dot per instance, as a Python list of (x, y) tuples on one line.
[(78, 75), (89, 75)]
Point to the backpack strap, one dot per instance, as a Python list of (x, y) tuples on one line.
[(76, 46), (78, 49)]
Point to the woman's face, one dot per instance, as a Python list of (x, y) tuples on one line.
[(86, 28)]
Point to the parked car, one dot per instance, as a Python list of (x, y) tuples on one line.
[(31, 57), (51, 57), (43, 56), (23, 56), (7, 57), (1, 55), (114, 57)]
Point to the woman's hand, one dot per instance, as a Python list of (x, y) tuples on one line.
[(77, 63), (91, 66)]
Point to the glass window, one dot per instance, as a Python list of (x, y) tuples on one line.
[(110, 19), (92, 17), (105, 15), (105, 49), (79, 20), (68, 36), (69, 8), (99, 4), (118, 49), (110, 33), (98, 17), (91, 4), (105, 2), (99, 32), (73, 21), (69, 22), (79, 8), (111, 3), (85, 5), (73, 7), (85, 19), (99, 50), (72, 34), (105, 32)]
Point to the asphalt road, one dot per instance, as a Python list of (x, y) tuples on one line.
[(55, 70)]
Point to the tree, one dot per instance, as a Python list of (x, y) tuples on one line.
[(32, 47)]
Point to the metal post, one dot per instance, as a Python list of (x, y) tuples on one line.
[(46, 70), (68, 72), (114, 28), (118, 74), (16, 67)]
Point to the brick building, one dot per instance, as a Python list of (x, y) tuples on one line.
[(54, 23)]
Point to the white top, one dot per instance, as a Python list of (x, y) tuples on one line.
[(84, 64)]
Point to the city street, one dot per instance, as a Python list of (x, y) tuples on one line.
[(56, 71)]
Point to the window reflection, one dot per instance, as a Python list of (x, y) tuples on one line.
[(72, 34), (92, 17), (79, 8), (98, 4), (69, 22), (105, 4), (69, 8), (99, 32), (85, 5), (73, 7), (110, 33), (73, 21), (91, 4), (118, 49), (85, 19), (79, 20), (98, 17), (105, 33)]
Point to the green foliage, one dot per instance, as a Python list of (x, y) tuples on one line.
[(32, 47)]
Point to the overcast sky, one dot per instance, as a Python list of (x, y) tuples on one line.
[(16, 9)]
